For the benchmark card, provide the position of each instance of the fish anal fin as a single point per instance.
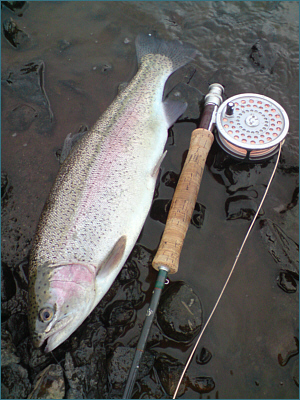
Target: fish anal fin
(114, 257)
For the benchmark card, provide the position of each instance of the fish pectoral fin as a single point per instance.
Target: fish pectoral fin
(173, 109)
(114, 257)
(156, 168)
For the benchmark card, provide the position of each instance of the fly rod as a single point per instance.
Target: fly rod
(179, 217)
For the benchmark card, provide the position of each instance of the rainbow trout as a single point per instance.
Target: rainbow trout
(101, 197)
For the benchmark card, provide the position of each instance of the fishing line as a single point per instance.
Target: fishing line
(230, 274)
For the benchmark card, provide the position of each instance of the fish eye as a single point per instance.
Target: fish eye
(46, 314)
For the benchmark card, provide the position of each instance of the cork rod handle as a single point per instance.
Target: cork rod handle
(183, 202)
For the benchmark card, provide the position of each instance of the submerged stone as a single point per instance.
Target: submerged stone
(240, 207)
(4, 186)
(179, 313)
(119, 366)
(286, 282)
(85, 368)
(14, 382)
(203, 357)
(289, 348)
(15, 36)
(8, 284)
(120, 312)
(23, 86)
(17, 7)
(283, 249)
(8, 349)
(49, 384)
(262, 55)
(169, 371)
(201, 384)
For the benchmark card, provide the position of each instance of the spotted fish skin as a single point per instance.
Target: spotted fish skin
(101, 197)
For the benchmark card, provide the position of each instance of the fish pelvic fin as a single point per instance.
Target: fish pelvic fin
(157, 166)
(173, 110)
(179, 53)
(114, 257)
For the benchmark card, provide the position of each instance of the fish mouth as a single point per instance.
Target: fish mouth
(38, 340)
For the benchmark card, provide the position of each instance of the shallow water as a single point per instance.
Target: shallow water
(88, 50)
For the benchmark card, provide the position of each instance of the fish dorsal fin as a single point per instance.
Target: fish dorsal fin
(70, 142)
(173, 110)
(114, 257)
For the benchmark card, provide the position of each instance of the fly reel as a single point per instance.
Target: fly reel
(251, 126)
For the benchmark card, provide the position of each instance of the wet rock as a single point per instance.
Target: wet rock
(134, 293)
(8, 284)
(203, 357)
(15, 292)
(18, 7)
(38, 359)
(179, 313)
(160, 209)
(240, 177)
(85, 366)
(169, 371)
(14, 382)
(141, 257)
(129, 272)
(76, 377)
(119, 365)
(287, 282)
(198, 215)
(201, 384)
(4, 187)
(20, 321)
(8, 349)
(170, 179)
(262, 55)
(24, 87)
(92, 340)
(15, 36)
(289, 348)
(148, 389)
(49, 384)
(190, 95)
(120, 312)
(241, 207)
(283, 249)
(119, 316)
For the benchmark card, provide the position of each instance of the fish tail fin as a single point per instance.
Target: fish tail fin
(179, 53)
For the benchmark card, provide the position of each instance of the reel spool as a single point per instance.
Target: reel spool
(251, 126)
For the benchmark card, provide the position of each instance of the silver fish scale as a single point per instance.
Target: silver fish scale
(66, 234)
(101, 198)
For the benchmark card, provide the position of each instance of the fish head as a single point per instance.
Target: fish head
(60, 298)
